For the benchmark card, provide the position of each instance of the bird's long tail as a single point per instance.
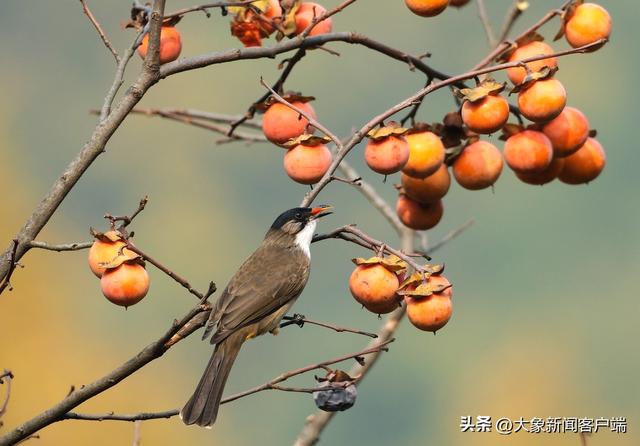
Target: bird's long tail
(202, 407)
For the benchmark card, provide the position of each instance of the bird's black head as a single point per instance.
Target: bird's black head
(295, 220)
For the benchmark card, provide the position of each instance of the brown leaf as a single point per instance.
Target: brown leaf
(486, 88)
(391, 129)
(307, 140)
(392, 263)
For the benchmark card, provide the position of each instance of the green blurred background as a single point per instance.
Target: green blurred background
(546, 281)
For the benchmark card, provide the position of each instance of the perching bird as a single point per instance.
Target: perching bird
(257, 297)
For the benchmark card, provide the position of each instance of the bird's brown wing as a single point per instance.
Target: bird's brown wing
(264, 283)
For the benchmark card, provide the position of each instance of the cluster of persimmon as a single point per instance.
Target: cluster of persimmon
(262, 18)
(123, 278)
(558, 143)
(250, 24)
(307, 158)
(380, 285)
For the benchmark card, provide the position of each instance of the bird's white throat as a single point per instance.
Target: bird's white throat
(303, 238)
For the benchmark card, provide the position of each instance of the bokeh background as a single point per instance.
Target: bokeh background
(546, 281)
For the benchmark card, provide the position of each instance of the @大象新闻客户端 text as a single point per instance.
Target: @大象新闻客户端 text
(537, 425)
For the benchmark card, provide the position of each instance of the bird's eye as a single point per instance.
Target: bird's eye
(298, 216)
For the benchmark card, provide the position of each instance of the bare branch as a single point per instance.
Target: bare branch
(205, 7)
(505, 45)
(300, 320)
(371, 243)
(450, 236)
(100, 31)
(119, 77)
(7, 377)
(518, 8)
(64, 247)
(181, 280)
(486, 23)
(273, 384)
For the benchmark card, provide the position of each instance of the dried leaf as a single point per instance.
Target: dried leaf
(392, 263)
(486, 88)
(544, 73)
(307, 140)
(391, 129)
(424, 290)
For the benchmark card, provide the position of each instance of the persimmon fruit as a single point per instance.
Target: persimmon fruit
(478, 166)
(584, 165)
(543, 100)
(387, 155)
(531, 49)
(418, 216)
(426, 154)
(427, 8)
(589, 23)
(567, 132)
(170, 44)
(528, 151)
(431, 313)
(281, 123)
(306, 13)
(487, 115)
(374, 286)
(104, 252)
(306, 164)
(427, 190)
(458, 3)
(125, 285)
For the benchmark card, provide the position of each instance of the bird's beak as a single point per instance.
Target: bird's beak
(321, 211)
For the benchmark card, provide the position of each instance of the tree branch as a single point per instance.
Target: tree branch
(272, 384)
(300, 320)
(101, 33)
(64, 247)
(486, 23)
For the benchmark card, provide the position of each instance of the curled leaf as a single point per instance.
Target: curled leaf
(307, 140)
(486, 88)
(392, 263)
(391, 129)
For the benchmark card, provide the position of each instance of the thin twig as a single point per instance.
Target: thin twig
(136, 433)
(300, 320)
(101, 33)
(63, 247)
(181, 280)
(119, 76)
(7, 377)
(191, 119)
(272, 384)
(450, 236)
(519, 6)
(486, 23)
(205, 7)
(371, 243)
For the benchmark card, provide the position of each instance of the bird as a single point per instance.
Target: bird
(253, 303)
